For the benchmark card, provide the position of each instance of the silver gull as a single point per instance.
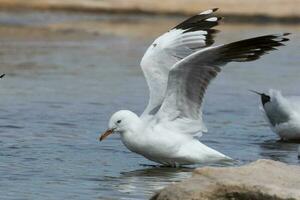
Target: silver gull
(178, 67)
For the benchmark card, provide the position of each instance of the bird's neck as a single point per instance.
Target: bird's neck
(131, 138)
(133, 126)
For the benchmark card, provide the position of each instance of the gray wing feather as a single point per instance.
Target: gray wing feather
(189, 78)
(186, 38)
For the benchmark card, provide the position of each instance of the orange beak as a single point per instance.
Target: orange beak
(105, 134)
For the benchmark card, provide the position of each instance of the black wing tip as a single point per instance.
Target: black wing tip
(200, 20)
(208, 11)
(281, 36)
(279, 39)
(253, 48)
(220, 19)
(1, 76)
(284, 39)
(273, 40)
(276, 35)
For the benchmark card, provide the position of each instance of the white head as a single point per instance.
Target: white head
(120, 122)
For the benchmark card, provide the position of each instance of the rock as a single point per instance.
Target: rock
(260, 180)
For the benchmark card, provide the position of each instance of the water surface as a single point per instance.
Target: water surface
(63, 84)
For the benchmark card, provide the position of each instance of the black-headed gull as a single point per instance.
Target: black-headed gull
(178, 67)
(282, 114)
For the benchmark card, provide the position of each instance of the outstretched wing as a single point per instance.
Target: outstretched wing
(189, 78)
(181, 41)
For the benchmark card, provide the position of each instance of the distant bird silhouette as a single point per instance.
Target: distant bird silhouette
(282, 113)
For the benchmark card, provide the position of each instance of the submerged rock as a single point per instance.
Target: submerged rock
(260, 180)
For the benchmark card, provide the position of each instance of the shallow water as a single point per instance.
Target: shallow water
(60, 91)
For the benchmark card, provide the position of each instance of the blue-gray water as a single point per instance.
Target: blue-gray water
(61, 86)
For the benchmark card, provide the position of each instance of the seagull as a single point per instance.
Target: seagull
(178, 67)
(282, 114)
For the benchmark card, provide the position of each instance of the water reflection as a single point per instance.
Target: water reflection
(142, 182)
(279, 150)
(157, 172)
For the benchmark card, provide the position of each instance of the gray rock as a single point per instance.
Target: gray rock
(260, 180)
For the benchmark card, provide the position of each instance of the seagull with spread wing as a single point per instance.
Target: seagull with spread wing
(178, 67)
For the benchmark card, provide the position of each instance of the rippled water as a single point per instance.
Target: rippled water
(59, 93)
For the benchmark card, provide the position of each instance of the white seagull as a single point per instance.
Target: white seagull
(178, 67)
(282, 114)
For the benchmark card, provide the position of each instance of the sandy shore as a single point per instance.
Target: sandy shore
(267, 8)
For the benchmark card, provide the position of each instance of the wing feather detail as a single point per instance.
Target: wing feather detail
(190, 77)
(184, 39)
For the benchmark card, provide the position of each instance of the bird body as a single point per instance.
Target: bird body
(170, 148)
(282, 114)
(178, 67)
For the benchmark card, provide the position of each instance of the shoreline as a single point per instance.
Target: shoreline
(289, 14)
